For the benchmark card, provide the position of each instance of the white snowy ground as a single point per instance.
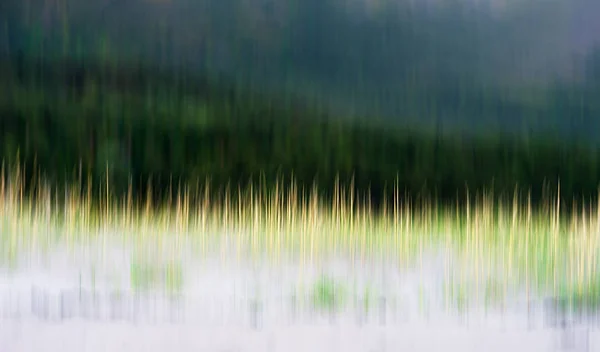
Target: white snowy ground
(84, 336)
(46, 304)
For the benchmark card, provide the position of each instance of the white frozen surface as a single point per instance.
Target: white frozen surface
(235, 305)
(116, 337)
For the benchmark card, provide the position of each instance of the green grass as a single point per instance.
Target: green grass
(328, 295)
(145, 275)
(495, 293)
(367, 298)
(540, 251)
(456, 296)
(174, 277)
(580, 297)
(423, 301)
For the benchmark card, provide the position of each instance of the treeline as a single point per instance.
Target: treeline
(67, 120)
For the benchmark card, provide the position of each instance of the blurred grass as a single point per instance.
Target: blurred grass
(328, 294)
(542, 252)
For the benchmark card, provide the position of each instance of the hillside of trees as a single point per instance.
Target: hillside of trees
(65, 119)
(164, 92)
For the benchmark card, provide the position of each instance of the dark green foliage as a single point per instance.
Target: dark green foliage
(141, 126)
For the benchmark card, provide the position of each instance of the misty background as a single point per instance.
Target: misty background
(403, 60)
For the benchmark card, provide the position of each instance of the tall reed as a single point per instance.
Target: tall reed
(541, 249)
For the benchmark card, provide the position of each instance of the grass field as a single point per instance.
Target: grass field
(502, 247)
